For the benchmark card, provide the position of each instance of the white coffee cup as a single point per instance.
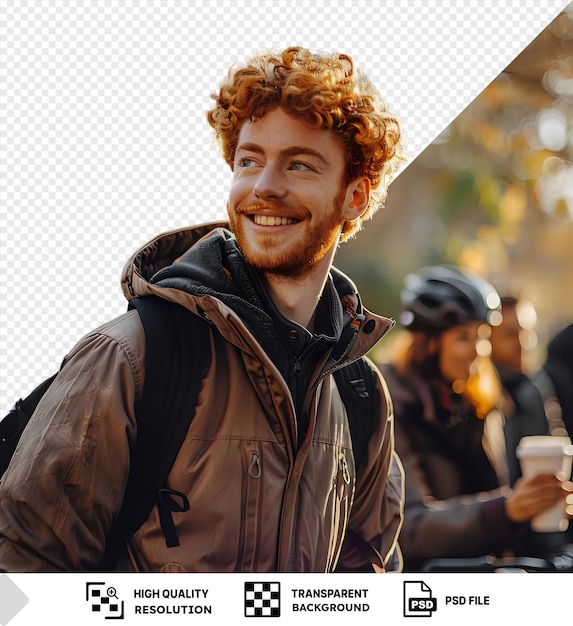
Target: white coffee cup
(547, 454)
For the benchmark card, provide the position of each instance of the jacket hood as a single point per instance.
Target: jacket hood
(205, 261)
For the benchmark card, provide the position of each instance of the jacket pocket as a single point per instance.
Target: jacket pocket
(342, 495)
(252, 486)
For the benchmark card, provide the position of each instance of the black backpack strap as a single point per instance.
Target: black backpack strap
(177, 359)
(356, 384)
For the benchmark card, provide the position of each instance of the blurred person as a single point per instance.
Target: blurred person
(268, 467)
(555, 382)
(456, 505)
(522, 406)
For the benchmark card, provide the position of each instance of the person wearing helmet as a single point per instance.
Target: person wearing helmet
(456, 503)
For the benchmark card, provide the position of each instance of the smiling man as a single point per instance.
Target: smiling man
(269, 467)
(288, 196)
(288, 203)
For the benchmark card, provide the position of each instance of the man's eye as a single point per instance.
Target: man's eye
(298, 166)
(246, 162)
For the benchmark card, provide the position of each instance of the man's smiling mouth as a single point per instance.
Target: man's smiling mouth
(273, 220)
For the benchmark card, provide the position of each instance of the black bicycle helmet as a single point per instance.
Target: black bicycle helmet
(439, 297)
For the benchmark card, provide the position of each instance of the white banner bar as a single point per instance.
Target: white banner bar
(165, 599)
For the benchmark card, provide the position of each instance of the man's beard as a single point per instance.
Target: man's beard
(299, 257)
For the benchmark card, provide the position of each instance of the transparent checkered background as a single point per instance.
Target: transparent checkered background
(104, 141)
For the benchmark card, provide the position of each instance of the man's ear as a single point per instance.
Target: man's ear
(357, 198)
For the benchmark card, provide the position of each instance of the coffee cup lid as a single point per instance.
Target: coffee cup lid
(547, 445)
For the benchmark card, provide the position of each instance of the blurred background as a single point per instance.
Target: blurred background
(492, 193)
(105, 143)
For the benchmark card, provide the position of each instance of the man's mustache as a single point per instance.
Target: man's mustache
(271, 207)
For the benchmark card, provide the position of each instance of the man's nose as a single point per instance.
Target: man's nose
(270, 183)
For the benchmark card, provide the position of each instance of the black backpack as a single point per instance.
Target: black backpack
(165, 409)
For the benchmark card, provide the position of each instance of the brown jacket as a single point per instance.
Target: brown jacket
(66, 481)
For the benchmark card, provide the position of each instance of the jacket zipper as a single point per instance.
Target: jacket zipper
(343, 469)
(251, 530)
(297, 365)
(255, 466)
(297, 368)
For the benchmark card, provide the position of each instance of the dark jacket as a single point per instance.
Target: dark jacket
(523, 411)
(453, 503)
(66, 481)
(555, 382)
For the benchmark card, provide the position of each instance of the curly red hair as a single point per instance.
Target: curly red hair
(327, 91)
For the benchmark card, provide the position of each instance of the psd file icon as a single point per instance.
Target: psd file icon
(418, 600)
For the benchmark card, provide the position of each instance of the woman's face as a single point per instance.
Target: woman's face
(457, 351)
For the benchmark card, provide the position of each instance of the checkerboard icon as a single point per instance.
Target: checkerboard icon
(262, 599)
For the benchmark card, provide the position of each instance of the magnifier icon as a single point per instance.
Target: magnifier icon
(112, 593)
